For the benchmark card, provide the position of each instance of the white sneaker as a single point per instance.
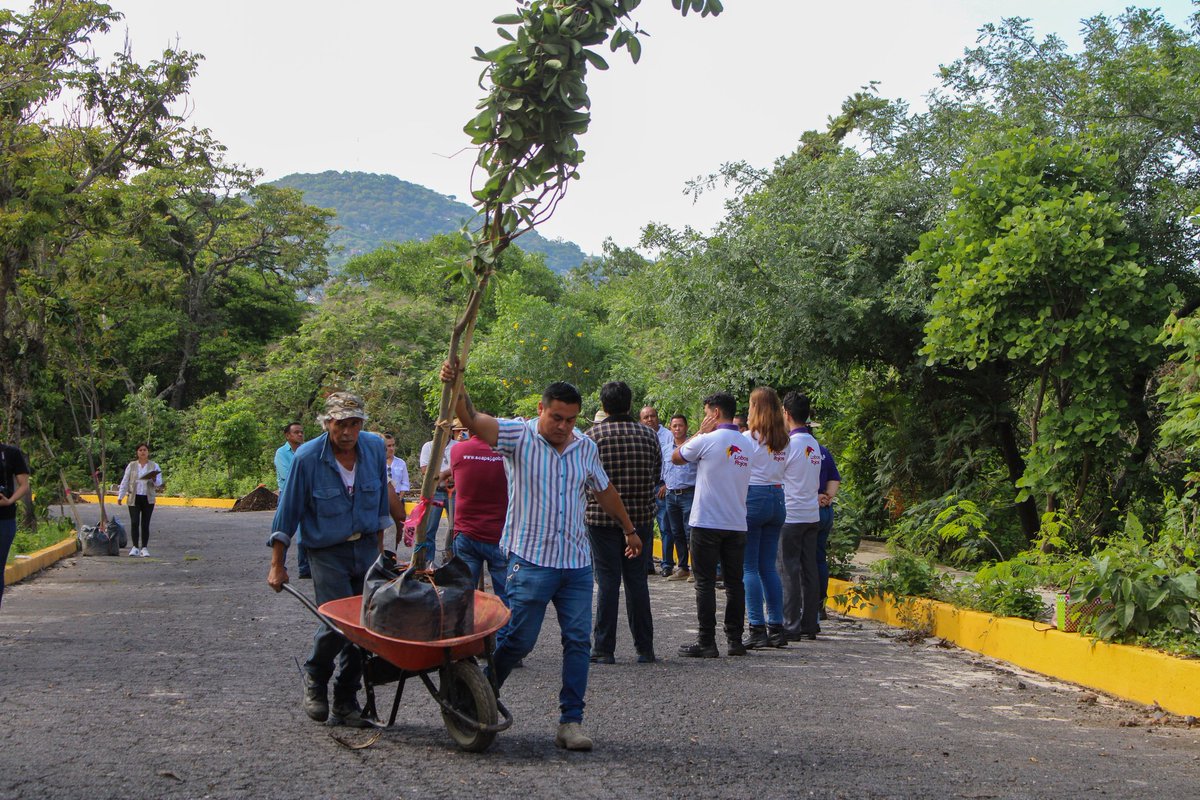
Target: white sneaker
(145, 552)
(133, 551)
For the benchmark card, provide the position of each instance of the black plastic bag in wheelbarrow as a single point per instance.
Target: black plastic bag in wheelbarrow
(100, 540)
(419, 605)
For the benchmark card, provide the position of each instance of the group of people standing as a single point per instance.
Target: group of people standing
(785, 509)
(565, 518)
(752, 502)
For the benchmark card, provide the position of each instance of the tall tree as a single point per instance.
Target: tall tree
(58, 176)
(1037, 275)
(211, 228)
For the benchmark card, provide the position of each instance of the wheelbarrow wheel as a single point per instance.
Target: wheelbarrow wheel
(468, 691)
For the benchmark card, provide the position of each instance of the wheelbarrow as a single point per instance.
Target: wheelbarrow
(469, 699)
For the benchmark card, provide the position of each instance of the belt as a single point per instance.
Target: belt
(684, 490)
(354, 537)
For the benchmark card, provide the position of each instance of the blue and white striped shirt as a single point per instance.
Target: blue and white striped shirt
(546, 497)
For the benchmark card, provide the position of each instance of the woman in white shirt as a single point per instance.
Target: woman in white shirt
(141, 480)
(768, 442)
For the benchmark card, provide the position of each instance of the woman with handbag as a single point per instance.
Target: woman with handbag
(141, 480)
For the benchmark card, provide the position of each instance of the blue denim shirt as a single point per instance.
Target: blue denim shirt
(316, 501)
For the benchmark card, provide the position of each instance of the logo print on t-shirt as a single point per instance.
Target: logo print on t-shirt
(735, 452)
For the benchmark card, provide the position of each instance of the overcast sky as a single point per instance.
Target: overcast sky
(385, 87)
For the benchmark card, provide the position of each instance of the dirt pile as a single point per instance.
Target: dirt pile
(261, 499)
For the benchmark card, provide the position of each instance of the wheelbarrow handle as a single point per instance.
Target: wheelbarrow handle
(311, 606)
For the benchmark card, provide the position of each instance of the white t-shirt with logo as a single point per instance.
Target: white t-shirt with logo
(766, 468)
(801, 479)
(722, 479)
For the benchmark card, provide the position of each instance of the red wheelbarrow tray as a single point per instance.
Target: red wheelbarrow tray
(490, 616)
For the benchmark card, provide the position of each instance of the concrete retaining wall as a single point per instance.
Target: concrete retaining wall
(22, 567)
(1132, 673)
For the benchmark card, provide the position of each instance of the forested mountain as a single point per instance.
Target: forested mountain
(375, 209)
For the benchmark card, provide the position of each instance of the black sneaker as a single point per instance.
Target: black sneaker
(348, 713)
(699, 650)
(736, 648)
(316, 699)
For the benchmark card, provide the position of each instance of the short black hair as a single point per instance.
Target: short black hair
(798, 406)
(679, 416)
(563, 392)
(723, 402)
(616, 397)
(288, 427)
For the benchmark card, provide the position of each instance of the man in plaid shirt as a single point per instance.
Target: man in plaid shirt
(632, 458)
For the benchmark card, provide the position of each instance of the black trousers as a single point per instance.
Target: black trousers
(139, 520)
(710, 547)
(612, 570)
(801, 578)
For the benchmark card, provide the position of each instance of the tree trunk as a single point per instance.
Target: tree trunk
(1026, 510)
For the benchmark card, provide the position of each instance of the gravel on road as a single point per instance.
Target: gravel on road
(176, 676)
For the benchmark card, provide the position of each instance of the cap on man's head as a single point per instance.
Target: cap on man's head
(343, 405)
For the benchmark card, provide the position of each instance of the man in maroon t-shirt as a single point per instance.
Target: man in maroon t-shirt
(480, 506)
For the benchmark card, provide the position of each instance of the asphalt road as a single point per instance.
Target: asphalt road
(175, 676)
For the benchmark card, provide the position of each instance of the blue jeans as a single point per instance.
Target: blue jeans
(8, 532)
(475, 553)
(530, 589)
(765, 513)
(612, 570)
(825, 527)
(338, 572)
(434, 516)
(679, 508)
(665, 532)
(301, 556)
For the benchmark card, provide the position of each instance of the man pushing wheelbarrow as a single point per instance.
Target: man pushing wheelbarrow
(337, 495)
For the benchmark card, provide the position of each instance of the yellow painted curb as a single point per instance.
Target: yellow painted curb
(22, 568)
(1132, 673)
(190, 502)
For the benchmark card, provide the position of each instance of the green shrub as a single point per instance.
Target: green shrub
(45, 534)
(839, 551)
(1146, 586)
(193, 477)
(905, 574)
(964, 524)
(1005, 589)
